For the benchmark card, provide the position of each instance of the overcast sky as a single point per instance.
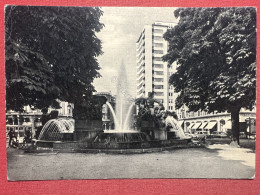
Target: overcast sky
(123, 26)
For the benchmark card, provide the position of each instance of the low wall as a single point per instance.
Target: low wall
(70, 146)
(43, 144)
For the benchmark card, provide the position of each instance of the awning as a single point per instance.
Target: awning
(191, 125)
(203, 125)
(210, 125)
(228, 125)
(196, 126)
(181, 122)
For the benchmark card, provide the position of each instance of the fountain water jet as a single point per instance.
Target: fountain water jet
(55, 129)
(127, 116)
(113, 113)
(122, 114)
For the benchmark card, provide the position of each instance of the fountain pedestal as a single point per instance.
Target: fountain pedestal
(160, 134)
(87, 129)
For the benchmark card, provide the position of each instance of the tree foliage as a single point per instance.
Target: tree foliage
(215, 52)
(51, 52)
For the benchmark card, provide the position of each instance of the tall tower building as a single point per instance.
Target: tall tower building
(152, 73)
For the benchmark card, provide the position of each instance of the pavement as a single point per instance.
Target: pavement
(215, 161)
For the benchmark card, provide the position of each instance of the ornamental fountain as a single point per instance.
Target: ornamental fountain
(154, 128)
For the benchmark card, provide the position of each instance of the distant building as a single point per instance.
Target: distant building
(152, 73)
(32, 117)
(215, 121)
(153, 76)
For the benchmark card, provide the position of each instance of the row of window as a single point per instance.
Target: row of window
(158, 72)
(140, 46)
(157, 58)
(158, 38)
(192, 114)
(158, 93)
(141, 67)
(142, 78)
(157, 44)
(141, 54)
(140, 86)
(140, 63)
(158, 65)
(141, 60)
(158, 79)
(158, 51)
(142, 72)
(157, 30)
(142, 36)
(158, 86)
(141, 91)
(170, 107)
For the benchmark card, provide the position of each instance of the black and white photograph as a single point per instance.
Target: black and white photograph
(130, 92)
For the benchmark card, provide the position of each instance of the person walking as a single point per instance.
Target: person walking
(11, 135)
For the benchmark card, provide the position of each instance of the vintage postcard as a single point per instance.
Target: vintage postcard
(130, 92)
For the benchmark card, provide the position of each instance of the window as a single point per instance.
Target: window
(158, 51)
(158, 30)
(158, 72)
(170, 94)
(158, 44)
(158, 87)
(158, 65)
(158, 38)
(158, 79)
(158, 93)
(157, 59)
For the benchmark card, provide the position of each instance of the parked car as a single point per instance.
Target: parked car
(199, 138)
(193, 135)
(199, 135)
(188, 135)
(216, 134)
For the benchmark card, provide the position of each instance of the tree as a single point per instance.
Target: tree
(215, 52)
(50, 54)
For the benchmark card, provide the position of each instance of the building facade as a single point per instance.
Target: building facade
(32, 117)
(193, 122)
(153, 76)
(152, 73)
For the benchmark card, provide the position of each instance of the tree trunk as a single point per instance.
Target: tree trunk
(235, 124)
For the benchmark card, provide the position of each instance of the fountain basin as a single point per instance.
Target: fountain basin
(120, 140)
(133, 147)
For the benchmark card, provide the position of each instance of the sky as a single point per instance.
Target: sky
(123, 25)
